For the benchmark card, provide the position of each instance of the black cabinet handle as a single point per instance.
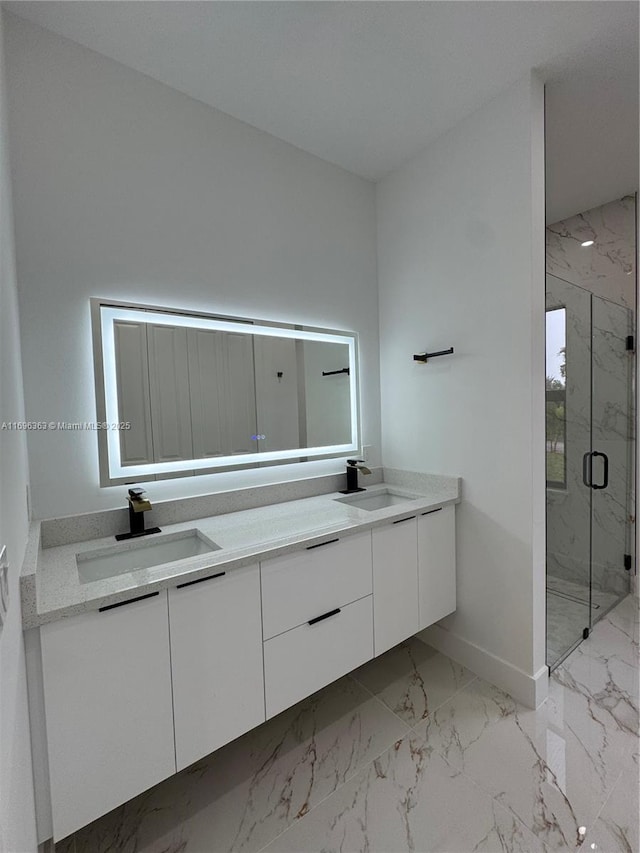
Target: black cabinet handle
(322, 544)
(400, 520)
(128, 601)
(430, 511)
(200, 580)
(586, 469)
(324, 616)
(605, 459)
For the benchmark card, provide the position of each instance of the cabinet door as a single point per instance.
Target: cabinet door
(301, 661)
(216, 660)
(436, 564)
(395, 583)
(297, 587)
(107, 692)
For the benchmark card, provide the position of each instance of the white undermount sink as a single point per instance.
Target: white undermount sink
(376, 500)
(144, 553)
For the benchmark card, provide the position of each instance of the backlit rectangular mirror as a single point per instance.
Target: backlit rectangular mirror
(183, 393)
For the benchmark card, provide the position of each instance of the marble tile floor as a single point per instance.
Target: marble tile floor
(566, 618)
(412, 752)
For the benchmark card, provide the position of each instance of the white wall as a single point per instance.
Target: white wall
(17, 816)
(125, 188)
(461, 263)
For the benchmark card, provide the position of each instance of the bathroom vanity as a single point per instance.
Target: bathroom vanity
(140, 668)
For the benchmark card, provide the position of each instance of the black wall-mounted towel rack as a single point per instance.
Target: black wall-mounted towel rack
(425, 356)
(346, 370)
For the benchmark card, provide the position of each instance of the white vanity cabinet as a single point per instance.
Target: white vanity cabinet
(436, 564)
(216, 660)
(109, 720)
(141, 689)
(395, 582)
(414, 574)
(317, 617)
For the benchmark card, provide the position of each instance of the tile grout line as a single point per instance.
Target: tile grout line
(348, 779)
(432, 711)
(601, 809)
(331, 793)
(494, 799)
(442, 704)
(411, 730)
(380, 702)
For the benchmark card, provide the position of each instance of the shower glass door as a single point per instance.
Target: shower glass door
(589, 462)
(611, 461)
(568, 436)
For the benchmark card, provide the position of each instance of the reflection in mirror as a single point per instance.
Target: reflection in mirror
(197, 393)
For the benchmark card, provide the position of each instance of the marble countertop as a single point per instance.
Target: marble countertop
(51, 587)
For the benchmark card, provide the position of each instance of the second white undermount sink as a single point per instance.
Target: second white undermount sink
(144, 553)
(377, 500)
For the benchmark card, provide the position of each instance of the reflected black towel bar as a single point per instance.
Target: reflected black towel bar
(425, 356)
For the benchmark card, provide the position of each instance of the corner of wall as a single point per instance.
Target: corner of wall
(17, 810)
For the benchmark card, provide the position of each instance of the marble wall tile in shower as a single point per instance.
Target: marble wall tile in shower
(251, 790)
(607, 267)
(612, 428)
(587, 530)
(568, 508)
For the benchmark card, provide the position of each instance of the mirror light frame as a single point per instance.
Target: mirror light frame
(105, 313)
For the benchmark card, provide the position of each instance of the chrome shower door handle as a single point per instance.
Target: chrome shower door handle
(605, 480)
(586, 469)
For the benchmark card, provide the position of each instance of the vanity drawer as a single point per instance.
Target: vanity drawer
(311, 656)
(297, 587)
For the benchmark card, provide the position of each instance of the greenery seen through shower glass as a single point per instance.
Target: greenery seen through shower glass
(556, 398)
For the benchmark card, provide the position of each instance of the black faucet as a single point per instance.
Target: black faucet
(353, 466)
(138, 505)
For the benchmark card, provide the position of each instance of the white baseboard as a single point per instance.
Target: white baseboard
(529, 690)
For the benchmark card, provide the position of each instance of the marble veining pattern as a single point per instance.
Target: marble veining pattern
(588, 531)
(568, 509)
(251, 790)
(427, 758)
(568, 613)
(413, 680)
(606, 268)
(599, 282)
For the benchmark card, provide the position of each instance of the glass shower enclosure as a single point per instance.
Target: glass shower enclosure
(589, 459)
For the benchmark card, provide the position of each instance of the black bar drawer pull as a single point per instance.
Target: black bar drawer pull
(400, 520)
(321, 544)
(324, 616)
(199, 580)
(430, 511)
(128, 601)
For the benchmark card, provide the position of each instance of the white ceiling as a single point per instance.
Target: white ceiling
(367, 85)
